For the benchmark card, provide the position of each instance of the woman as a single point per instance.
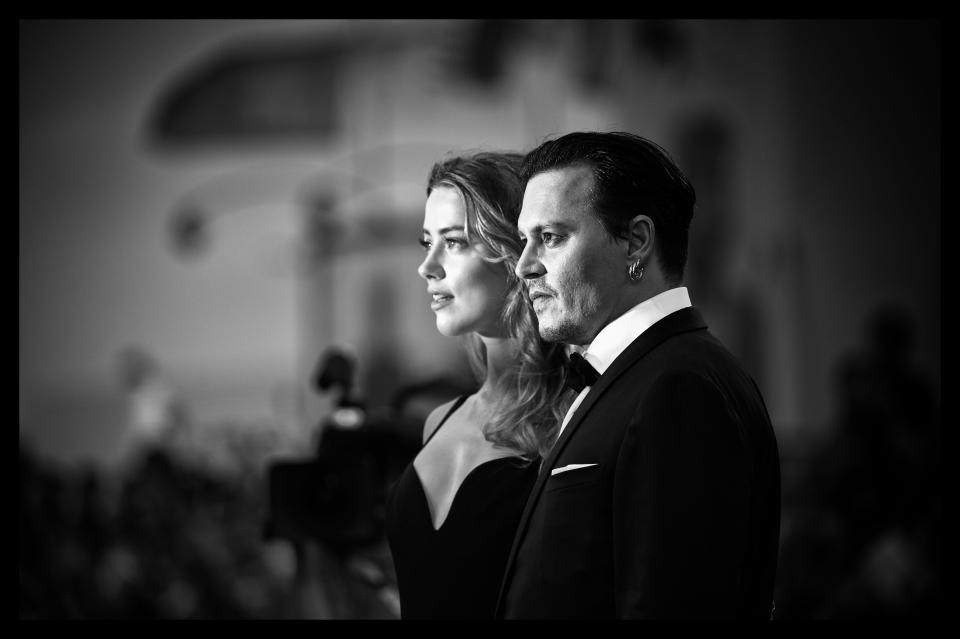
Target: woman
(453, 512)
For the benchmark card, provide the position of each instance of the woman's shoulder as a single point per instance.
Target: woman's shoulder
(435, 418)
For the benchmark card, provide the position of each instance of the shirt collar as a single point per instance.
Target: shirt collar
(618, 334)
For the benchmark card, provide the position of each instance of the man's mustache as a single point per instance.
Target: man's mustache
(539, 289)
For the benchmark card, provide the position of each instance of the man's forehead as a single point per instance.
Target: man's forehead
(574, 181)
(558, 191)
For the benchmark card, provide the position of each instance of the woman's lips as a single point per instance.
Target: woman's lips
(439, 300)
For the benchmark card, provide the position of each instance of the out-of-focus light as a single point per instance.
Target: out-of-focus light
(189, 231)
(348, 418)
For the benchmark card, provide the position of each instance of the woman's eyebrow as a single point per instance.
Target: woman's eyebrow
(446, 229)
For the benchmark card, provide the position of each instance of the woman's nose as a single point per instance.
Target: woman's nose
(430, 268)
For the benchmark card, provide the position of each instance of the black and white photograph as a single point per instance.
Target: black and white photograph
(480, 319)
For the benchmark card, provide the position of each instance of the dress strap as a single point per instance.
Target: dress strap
(450, 412)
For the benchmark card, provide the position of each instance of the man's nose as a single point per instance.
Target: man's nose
(528, 266)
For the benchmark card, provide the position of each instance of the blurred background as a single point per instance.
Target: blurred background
(226, 354)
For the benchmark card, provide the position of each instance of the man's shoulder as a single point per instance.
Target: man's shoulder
(684, 356)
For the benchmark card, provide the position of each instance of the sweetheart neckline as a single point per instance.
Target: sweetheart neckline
(426, 500)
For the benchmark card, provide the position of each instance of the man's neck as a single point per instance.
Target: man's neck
(632, 296)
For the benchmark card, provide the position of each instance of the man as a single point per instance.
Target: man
(661, 496)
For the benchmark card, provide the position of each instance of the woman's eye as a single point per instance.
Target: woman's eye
(425, 244)
(454, 243)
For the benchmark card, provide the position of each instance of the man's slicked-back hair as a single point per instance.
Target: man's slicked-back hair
(632, 176)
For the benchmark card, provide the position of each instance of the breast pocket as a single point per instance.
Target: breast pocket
(562, 478)
(573, 520)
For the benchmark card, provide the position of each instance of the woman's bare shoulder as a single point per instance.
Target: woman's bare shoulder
(435, 417)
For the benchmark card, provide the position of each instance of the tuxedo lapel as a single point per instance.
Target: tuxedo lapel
(682, 321)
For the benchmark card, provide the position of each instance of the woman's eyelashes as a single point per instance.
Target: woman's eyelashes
(453, 243)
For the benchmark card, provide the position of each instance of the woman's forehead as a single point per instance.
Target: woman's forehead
(444, 209)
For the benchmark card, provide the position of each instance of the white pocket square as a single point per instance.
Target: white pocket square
(557, 471)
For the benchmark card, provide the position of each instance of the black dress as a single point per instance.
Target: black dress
(454, 572)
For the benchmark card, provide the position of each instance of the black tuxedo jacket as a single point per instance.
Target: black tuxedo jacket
(679, 513)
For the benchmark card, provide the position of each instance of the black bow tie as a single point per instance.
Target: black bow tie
(580, 373)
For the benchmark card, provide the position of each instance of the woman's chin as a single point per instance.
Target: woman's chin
(448, 329)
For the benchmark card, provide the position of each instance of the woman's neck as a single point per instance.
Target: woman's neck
(501, 358)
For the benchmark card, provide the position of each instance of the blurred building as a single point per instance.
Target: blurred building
(765, 117)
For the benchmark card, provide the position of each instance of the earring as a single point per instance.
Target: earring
(635, 271)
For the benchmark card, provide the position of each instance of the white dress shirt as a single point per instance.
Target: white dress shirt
(614, 338)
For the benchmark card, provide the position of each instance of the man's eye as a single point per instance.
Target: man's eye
(549, 239)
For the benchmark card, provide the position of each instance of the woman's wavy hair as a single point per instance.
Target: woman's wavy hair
(535, 398)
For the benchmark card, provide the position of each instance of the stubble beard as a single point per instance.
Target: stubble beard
(570, 323)
(566, 318)
(562, 330)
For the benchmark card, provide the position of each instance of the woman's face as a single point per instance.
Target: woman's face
(467, 293)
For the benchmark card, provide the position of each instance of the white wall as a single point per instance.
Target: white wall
(95, 268)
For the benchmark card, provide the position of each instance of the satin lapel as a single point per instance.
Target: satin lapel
(682, 321)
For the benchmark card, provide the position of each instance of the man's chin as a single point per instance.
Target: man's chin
(563, 332)
(552, 333)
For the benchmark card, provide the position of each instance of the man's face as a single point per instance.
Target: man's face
(575, 271)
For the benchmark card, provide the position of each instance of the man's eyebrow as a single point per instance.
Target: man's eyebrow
(535, 230)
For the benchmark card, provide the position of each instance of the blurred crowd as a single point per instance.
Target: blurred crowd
(862, 507)
(163, 539)
(166, 537)
(221, 521)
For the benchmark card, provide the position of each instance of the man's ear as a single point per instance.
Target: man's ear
(641, 237)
